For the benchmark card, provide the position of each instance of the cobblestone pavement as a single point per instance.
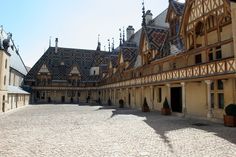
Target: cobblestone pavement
(71, 130)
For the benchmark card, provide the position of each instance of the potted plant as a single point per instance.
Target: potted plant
(121, 103)
(230, 117)
(166, 108)
(145, 107)
(109, 102)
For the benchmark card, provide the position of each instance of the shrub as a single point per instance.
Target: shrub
(230, 110)
(145, 107)
(121, 103)
(109, 102)
(166, 104)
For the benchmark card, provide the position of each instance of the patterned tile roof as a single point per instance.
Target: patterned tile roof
(61, 63)
(129, 53)
(156, 37)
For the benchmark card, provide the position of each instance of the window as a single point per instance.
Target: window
(174, 66)
(5, 80)
(221, 100)
(217, 94)
(198, 59)
(212, 100)
(211, 55)
(6, 64)
(218, 52)
(211, 22)
(220, 85)
(199, 30)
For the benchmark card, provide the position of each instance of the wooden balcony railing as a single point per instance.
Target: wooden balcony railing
(224, 66)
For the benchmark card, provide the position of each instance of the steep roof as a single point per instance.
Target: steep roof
(160, 20)
(16, 61)
(156, 37)
(178, 7)
(60, 64)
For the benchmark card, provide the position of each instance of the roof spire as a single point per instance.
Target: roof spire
(109, 45)
(99, 44)
(113, 45)
(120, 37)
(104, 48)
(144, 15)
(50, 42)
(123, 35)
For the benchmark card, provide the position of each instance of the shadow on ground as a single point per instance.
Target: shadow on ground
(165, 124)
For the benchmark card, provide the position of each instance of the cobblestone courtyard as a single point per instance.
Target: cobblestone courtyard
(71, 130)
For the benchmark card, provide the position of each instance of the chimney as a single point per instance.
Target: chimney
(56, 45)
(148, 16)
(129, 32)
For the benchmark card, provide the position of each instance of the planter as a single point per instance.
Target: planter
(230, 121)
(165, 111)
(145, 109)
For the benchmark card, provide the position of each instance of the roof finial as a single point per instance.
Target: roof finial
(99, 44)
(123, 34)
(120, 37)
(144, 16)
(109, 45)
(113, 45)
(50, 42)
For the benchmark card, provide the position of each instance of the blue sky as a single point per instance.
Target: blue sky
(76, 23)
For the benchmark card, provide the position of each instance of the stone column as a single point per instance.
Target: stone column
(134, 96)
(152, 97)
(183, 84)
(127, 96)
(210, 112)
(142, 96)
(168, 93)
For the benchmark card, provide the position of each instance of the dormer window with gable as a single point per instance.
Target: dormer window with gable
(44, 76)
(74, 77)
(94, 71)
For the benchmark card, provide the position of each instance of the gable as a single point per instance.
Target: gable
(44, 69)
(75, 71)
(199, 10)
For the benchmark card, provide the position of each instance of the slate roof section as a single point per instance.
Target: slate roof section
(15, 90)
(61, 63)
(178, 7)
(16, 61)
(160, 20)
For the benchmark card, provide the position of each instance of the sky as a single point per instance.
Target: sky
(76, 23)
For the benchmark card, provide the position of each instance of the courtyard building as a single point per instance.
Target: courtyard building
(186, 55)
(12, 73)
